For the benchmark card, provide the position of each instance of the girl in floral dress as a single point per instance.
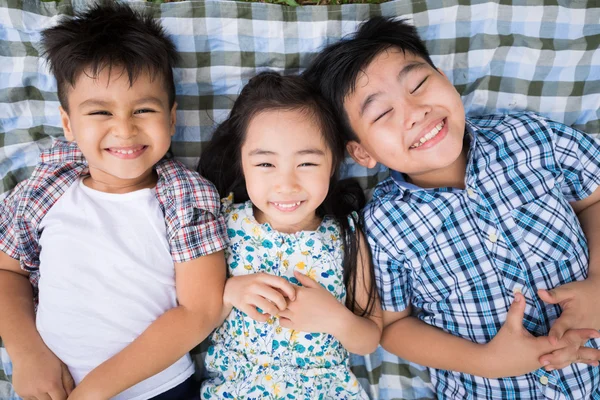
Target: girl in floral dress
(300, 293)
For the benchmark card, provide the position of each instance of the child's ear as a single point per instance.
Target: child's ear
(173, 118)
(66, 124)
(360, 155)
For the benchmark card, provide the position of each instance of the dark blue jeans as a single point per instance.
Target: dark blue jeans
(186, 390)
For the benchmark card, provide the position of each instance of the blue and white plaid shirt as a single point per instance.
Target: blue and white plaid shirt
(459, 255)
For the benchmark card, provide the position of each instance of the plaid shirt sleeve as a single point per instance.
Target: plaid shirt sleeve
(578, 155)
(195, 225)
(392, 278)
(8, 206)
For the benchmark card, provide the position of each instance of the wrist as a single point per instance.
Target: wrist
(340, 322)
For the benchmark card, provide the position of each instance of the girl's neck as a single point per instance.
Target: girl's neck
(305, 225)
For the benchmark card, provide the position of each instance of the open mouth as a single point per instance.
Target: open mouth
(127, 152)
(430, 135)
(287, 206)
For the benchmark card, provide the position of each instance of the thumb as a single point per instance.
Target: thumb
(553, 296)
(67, 380)
(305, 280)
(516, 312)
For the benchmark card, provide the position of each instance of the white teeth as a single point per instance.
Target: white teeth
(429, 135)
(124, 151)
(292, 205)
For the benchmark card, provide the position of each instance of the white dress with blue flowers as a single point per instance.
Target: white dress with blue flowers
(255, 360)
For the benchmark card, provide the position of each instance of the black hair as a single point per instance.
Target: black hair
(336, 68)
(220, 161)
(107, 35)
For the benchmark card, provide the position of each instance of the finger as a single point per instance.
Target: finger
(266, 306)
(587, 354)
(43, 396)
(285, 323)
(272, 295)
(58, 394)
(560, 326)
(67, 380)
(305, 280)
(286, 288)
(254, 314)
(553, 296)
(579, 336)
(516, 313)
(559, 359)
(287, 314)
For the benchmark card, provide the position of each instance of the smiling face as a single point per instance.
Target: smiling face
(122, 130)
(287, 168)
(408, 117)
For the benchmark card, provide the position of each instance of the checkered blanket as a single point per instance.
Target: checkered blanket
(502, 56)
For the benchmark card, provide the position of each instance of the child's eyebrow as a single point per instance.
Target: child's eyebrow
(102, 103)
(262, 152)
(407, 69)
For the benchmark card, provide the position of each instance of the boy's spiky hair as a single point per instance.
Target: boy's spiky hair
(109, 34)
(336, 68)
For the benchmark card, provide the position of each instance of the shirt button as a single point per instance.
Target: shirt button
(517, 289)
(471, 192)
(544, 380)
(493, 237)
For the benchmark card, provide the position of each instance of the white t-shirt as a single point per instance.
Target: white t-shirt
(106, 274)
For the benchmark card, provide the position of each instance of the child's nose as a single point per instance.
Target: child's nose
(287, 182)
(415, 113)
(124, 129)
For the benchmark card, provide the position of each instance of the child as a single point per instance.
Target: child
(478, 214)
(126, 243)
(294, 254)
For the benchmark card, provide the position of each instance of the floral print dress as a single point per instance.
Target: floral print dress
(255, 360)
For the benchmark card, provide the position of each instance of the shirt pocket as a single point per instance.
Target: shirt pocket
(547, 229)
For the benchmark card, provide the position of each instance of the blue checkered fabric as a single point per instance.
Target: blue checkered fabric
(459, 255)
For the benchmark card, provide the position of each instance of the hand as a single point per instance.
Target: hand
(579, 303)
(514, 351)
(41, 375)
(313, 310)
(267, 292)
(573, 351)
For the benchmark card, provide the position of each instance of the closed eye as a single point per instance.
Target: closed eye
(382, 115)
(144, 111)
(419, 85)
(99, 113)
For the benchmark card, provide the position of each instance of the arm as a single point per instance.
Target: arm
(38, 373)
(316, 310)
(512, 352)
(199, 286)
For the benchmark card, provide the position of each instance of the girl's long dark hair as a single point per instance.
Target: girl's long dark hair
(220, 163)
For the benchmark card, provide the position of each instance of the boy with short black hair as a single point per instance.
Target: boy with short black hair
(123, 243)
(483, 226)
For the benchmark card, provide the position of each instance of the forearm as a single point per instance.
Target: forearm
(165, 341)
(414, 340)
(358, 335)
(590, 224)
(17, 318)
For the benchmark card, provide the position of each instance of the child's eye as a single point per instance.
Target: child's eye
(264, 165)
(382, 115)
(419, 85)
(99, 113)
(308, 164)
(144, 111)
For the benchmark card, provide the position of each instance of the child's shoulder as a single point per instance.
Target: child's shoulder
(501, 120)
(181, 184)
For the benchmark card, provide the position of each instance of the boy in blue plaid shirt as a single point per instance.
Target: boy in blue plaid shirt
(124, 244)
(480, 235)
